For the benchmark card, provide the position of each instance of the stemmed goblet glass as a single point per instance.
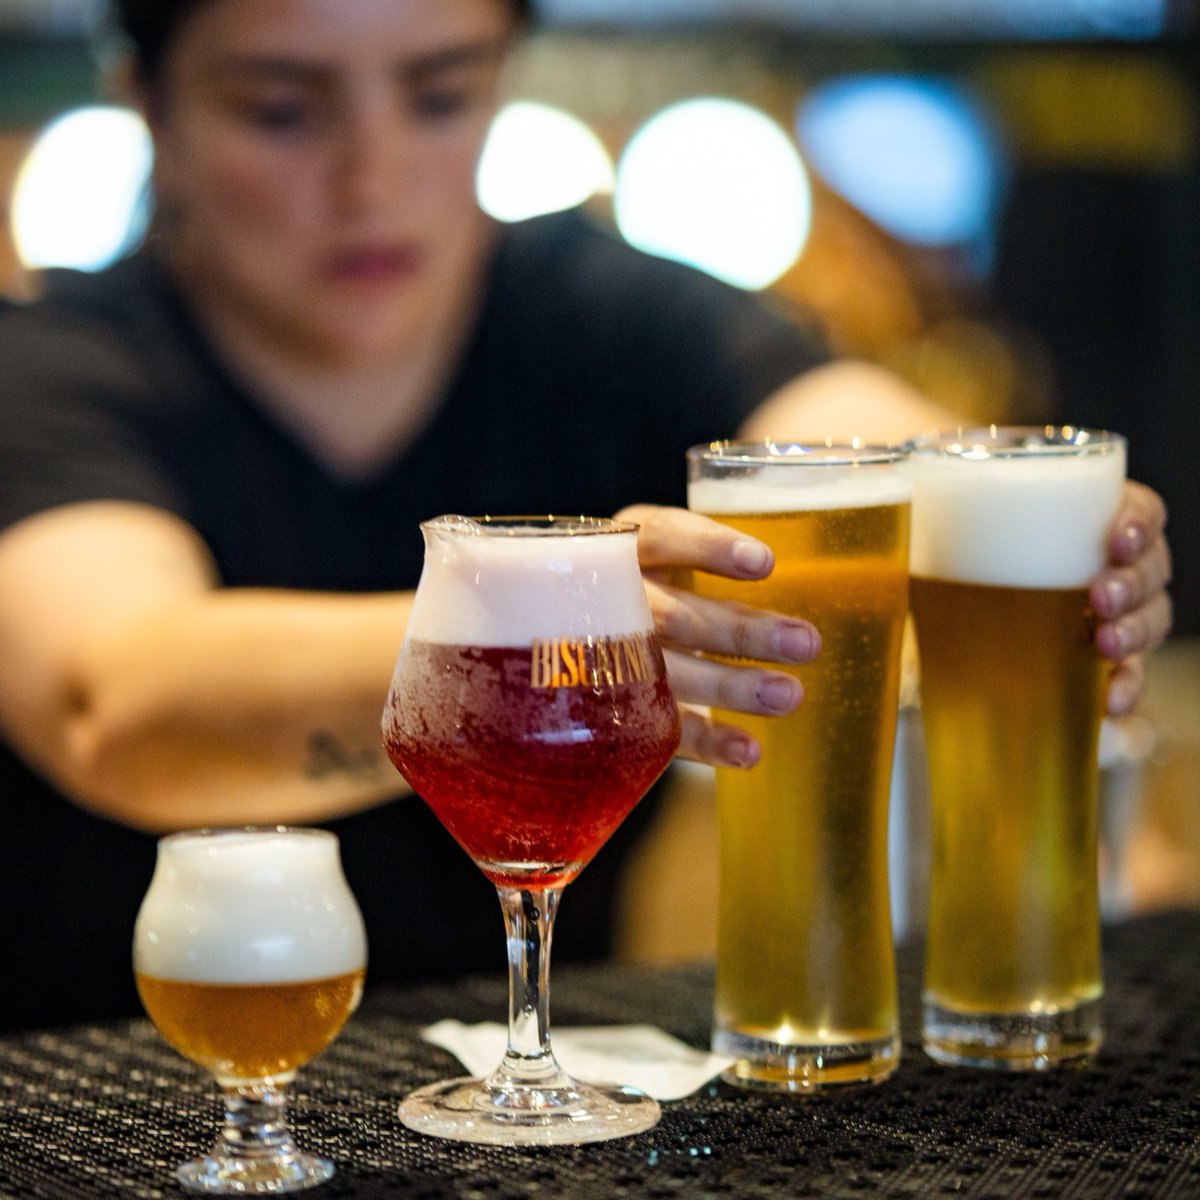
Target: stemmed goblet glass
(530, 710)
(249, 953)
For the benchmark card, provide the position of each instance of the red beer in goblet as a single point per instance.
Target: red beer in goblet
(530, 710)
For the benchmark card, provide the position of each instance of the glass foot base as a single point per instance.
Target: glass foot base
(252, 1175)
(1012, 1041)
(468, 1110)
(785, 1067)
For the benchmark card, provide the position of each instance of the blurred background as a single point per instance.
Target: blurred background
(998, 199)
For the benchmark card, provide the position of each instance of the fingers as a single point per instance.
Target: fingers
(708, 741)
(1130, 594)
(1118, 590)
(1143, 629)
(756, 690)
(670, 538)
(711, 683)
(1133, 603)
(1139, 523)
(690, 622)
(1125, 685)
(689, 626)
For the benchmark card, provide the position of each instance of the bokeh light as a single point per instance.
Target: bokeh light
(717, 184)
(914, 155)
(539, 159)
(80, 196)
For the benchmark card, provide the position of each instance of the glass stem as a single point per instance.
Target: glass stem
(529, 922)
(255, 1123)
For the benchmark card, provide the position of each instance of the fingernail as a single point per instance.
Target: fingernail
(1127, 635)
(1108, 642)
(779, 694)
(1121, 697)
(1116, 597)
(1133, 539)
(751, 557)
(1117, 639)
(793, 641)
(740, 752)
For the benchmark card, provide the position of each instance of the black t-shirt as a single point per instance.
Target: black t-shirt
(590, 371)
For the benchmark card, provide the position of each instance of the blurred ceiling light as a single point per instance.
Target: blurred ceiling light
(717, 184)
(79, 197)
(891, 18)
(539, 159)
(913, 155)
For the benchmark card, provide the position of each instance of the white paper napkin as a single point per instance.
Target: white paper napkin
(641, 1055)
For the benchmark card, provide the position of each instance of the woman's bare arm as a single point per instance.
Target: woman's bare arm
(152, 695)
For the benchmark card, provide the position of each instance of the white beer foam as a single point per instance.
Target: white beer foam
(249, 908)
(1038, 521)
(785, 489)
(505, 591)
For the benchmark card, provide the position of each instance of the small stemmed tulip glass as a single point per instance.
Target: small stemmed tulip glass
(249, 953)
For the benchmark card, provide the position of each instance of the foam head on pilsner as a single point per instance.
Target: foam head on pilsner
(850, 489)
(767, 479)
(262, 906)
(1034, 516)
(507, 585)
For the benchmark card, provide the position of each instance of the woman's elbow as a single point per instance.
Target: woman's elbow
(114, 765)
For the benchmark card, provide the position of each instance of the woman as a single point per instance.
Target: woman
(215, 456)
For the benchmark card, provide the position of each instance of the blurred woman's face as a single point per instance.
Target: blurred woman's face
(317, 162)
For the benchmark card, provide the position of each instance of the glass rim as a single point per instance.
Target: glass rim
(973, 443)
(797, 453)
(528, 525)
(214, 833)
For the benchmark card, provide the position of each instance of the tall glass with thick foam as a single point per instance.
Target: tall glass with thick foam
(805, 987)
(248, 954)
(530, 710)
(1009, 527)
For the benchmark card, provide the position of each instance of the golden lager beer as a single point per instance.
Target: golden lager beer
(248, 954)
(1008, 529)
(239, 1031)
(805, 989)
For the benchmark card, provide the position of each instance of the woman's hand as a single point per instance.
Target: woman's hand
(673, 540)
(1130, 594)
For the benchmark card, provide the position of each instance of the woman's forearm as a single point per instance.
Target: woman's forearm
(235, 706)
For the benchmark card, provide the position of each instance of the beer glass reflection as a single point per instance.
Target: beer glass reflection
(530, 710)
(805, 987)
(1009, 528)
(249, 953)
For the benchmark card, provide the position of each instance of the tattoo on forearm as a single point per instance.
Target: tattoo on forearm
(327, 756)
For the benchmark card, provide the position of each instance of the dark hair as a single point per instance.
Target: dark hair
(151, 27)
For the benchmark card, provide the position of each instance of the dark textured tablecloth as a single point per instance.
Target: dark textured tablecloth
(109, 1110)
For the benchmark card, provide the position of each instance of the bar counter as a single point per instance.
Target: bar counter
(108, 1110)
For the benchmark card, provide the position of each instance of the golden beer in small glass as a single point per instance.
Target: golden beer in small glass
(1009, 528)
(805, 988)
(249, 953)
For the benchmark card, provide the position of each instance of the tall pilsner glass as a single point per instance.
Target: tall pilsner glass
(806, 988)
(249, 953)
(1009, 527)
(530, 710)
